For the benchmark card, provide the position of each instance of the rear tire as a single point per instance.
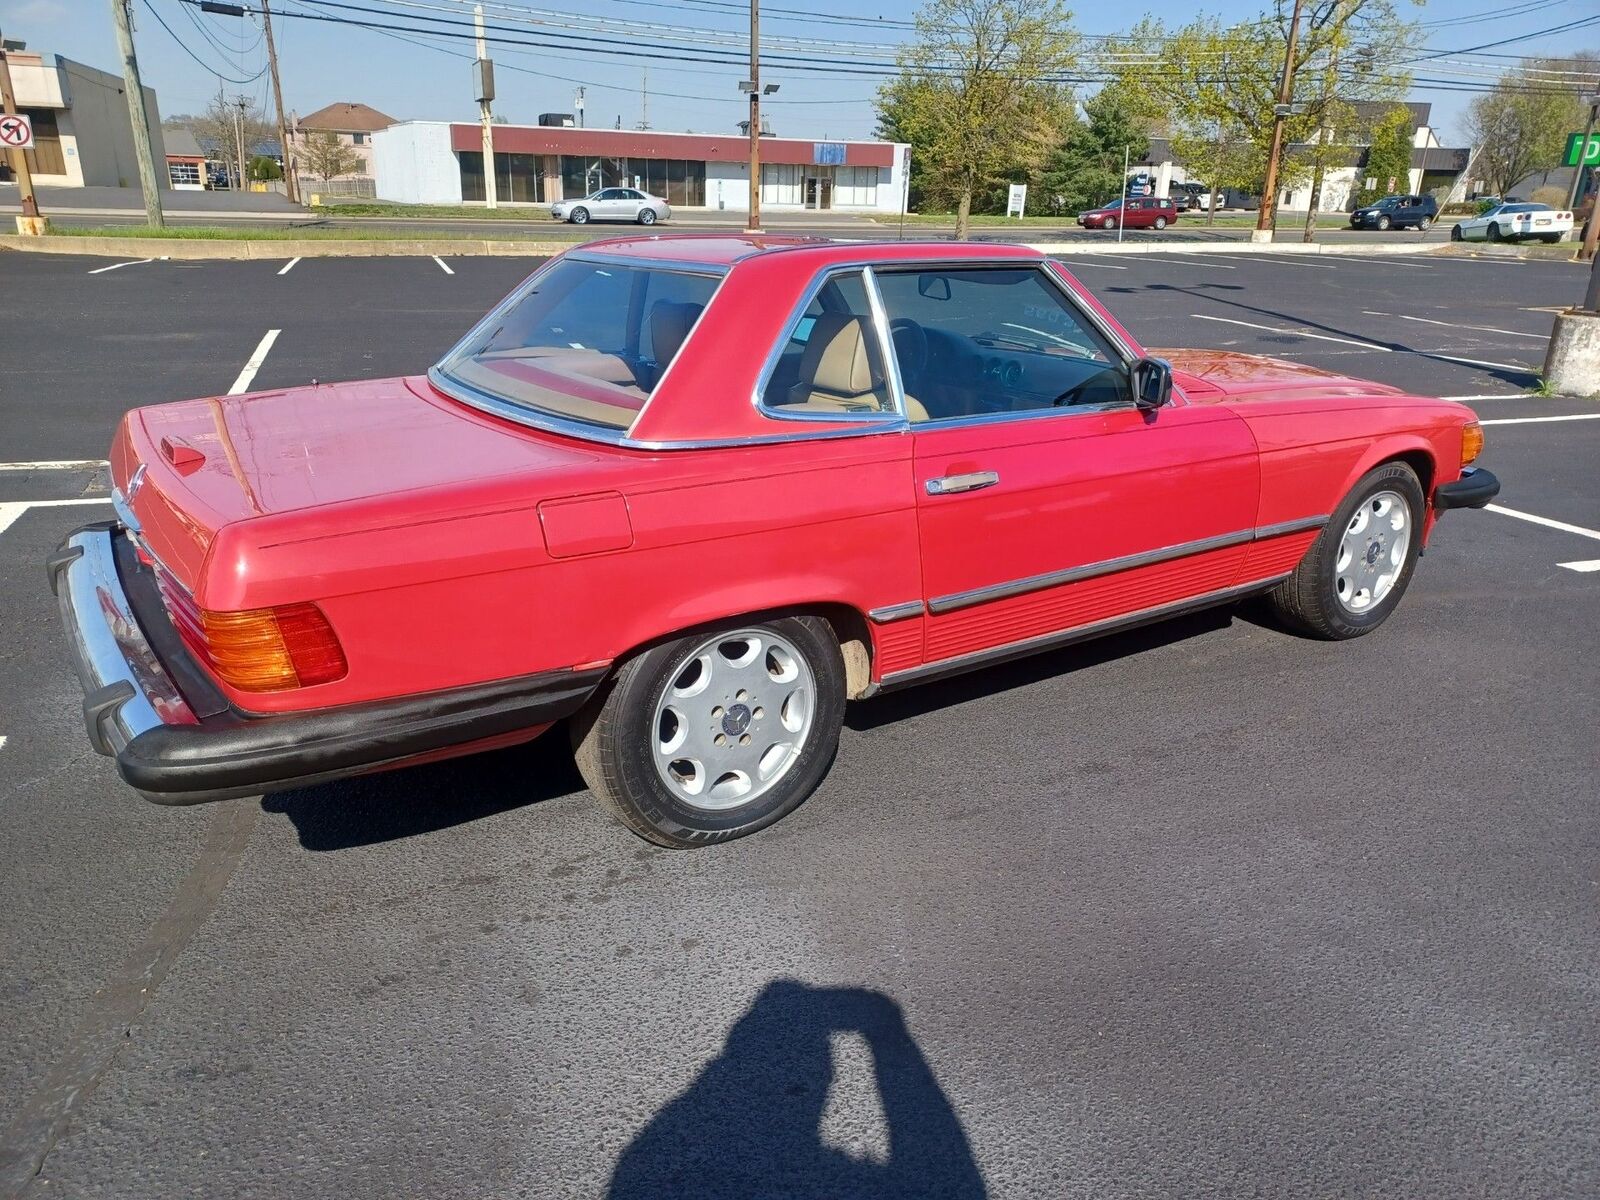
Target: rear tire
(647, 746)
(1161, 222)
(580, 216)
(1358, 568)
(1550, 239)
(647, 216)
(1424, 225)
(1494, 233)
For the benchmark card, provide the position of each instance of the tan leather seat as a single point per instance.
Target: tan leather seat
(837, 371)
(670, 323)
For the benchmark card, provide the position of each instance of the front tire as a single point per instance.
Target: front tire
(579, 216)
(1361, 563)
(1456, 234)
(1110, 223)
(717, 735)
(1384, 223)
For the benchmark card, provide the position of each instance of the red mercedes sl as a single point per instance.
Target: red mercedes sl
(689, 495)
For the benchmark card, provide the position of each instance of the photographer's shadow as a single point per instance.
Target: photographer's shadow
(750, 1123)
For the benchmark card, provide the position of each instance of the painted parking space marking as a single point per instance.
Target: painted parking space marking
(1499, 396)
(1521, 368)
(288, 266)
(1547, 522)
(1295, 262)
(443, 266)
(1193, 260)
(1102, 266)
(10, 510)
(254, 365)
(1593, 416)
(1587, 566)
(59, 464)
(1542, 337)
(1321, 337)
(136, 262)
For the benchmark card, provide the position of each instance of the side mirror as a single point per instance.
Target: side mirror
(934, 287)
(1152, 383)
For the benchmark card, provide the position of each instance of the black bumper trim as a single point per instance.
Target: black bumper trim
(1474, 489)
(233, 755)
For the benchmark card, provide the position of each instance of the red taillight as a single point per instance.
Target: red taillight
(263, 649)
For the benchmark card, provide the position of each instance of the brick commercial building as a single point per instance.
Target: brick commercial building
(435, 162)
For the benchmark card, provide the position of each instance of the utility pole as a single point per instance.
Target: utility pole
(291, 185)
(31, 222)
(644, 100)
(577, 103)
(484, 77)
(754, 225)
(1265, 219)
(136, 114)
(240, 105)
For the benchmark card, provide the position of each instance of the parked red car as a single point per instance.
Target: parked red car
(694, 494)
(1149, 212)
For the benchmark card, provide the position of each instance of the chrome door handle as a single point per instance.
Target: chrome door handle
(970, 482)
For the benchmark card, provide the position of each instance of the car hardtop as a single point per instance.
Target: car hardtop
(723, 250)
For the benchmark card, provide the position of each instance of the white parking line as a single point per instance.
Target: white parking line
(288, 266)
(10, 510)
(1594, 416)
(254, 365)
(1478, 362)
(1545, 521)
(59, 464)
(1543, 337)
(1195, 261)
(1586, 566)
(442, 266)
(1321, 337)
(1500, 396)
(1295, 262)
(1103, 266)
(137, 262)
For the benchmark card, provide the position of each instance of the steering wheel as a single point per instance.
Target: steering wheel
(910, 345)
(1072, 394)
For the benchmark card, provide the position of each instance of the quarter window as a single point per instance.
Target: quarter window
(977, 341)
(831, 363)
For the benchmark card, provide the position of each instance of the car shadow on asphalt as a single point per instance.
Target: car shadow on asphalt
(425, 799)
(1022, 672)
(752, 1122)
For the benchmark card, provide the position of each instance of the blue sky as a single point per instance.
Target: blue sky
(324, 62)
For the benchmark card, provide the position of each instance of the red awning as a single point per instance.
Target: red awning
(629, 143)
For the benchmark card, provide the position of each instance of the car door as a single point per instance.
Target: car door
(607, 204)
(1035, 517)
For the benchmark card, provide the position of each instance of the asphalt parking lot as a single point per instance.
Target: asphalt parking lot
(1203, 910)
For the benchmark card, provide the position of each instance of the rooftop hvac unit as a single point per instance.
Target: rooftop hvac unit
(558, 119)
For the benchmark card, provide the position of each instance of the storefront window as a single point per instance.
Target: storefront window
(519, 178)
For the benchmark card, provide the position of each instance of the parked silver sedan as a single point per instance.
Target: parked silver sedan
(613, 204)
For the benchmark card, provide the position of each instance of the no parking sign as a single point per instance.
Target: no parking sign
(16, 132)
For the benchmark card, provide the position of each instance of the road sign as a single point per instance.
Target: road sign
(1591, 151)
(16, 132)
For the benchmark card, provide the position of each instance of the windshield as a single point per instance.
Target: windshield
(583, 340)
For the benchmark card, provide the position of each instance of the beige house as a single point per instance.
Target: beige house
(81, 133)
(353, 124)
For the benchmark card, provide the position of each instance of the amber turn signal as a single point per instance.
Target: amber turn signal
(1471, 442)
(271, 649)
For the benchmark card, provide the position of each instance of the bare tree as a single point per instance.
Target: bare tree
(326, 157)
(1522, 125)
(231, 130)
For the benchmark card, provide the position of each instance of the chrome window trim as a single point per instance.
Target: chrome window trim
(1049, 641)
(820, 279)
(890, 613)
(955, 601)
(891, 363)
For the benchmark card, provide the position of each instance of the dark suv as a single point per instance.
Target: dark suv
(1396, 212)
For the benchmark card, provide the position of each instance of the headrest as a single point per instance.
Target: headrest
(670, 323)
(836, 359)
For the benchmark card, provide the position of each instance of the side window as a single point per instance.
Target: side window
(976, 341)
(831, 361)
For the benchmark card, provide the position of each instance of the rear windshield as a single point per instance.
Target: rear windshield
(584, 340)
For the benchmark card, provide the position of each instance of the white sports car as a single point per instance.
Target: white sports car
(1513, 222)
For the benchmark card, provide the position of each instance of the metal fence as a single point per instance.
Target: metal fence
(345, 189)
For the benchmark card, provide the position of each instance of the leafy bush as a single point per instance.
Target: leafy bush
(1555, 197)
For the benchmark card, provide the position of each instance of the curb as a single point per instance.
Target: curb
(1278, 248)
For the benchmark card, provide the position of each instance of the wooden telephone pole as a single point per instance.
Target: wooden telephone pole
(30, 222)
(1280, 112)
(137, 117)
(291, 185)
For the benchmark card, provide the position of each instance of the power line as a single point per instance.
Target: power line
(184, 47)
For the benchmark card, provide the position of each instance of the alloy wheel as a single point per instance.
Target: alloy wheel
(1372, 552)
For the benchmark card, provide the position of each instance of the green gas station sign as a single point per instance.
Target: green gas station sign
(1591, 152)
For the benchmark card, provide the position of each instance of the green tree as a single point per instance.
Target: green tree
(1522, 125)
(1219, 83)
(1085, 168)
(1217, 154)
(264, 168)
(979, 95)
(1388, 155)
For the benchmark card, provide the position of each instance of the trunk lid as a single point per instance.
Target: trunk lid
(184, 471)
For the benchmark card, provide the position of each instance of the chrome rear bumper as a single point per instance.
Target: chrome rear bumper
(126, 690)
